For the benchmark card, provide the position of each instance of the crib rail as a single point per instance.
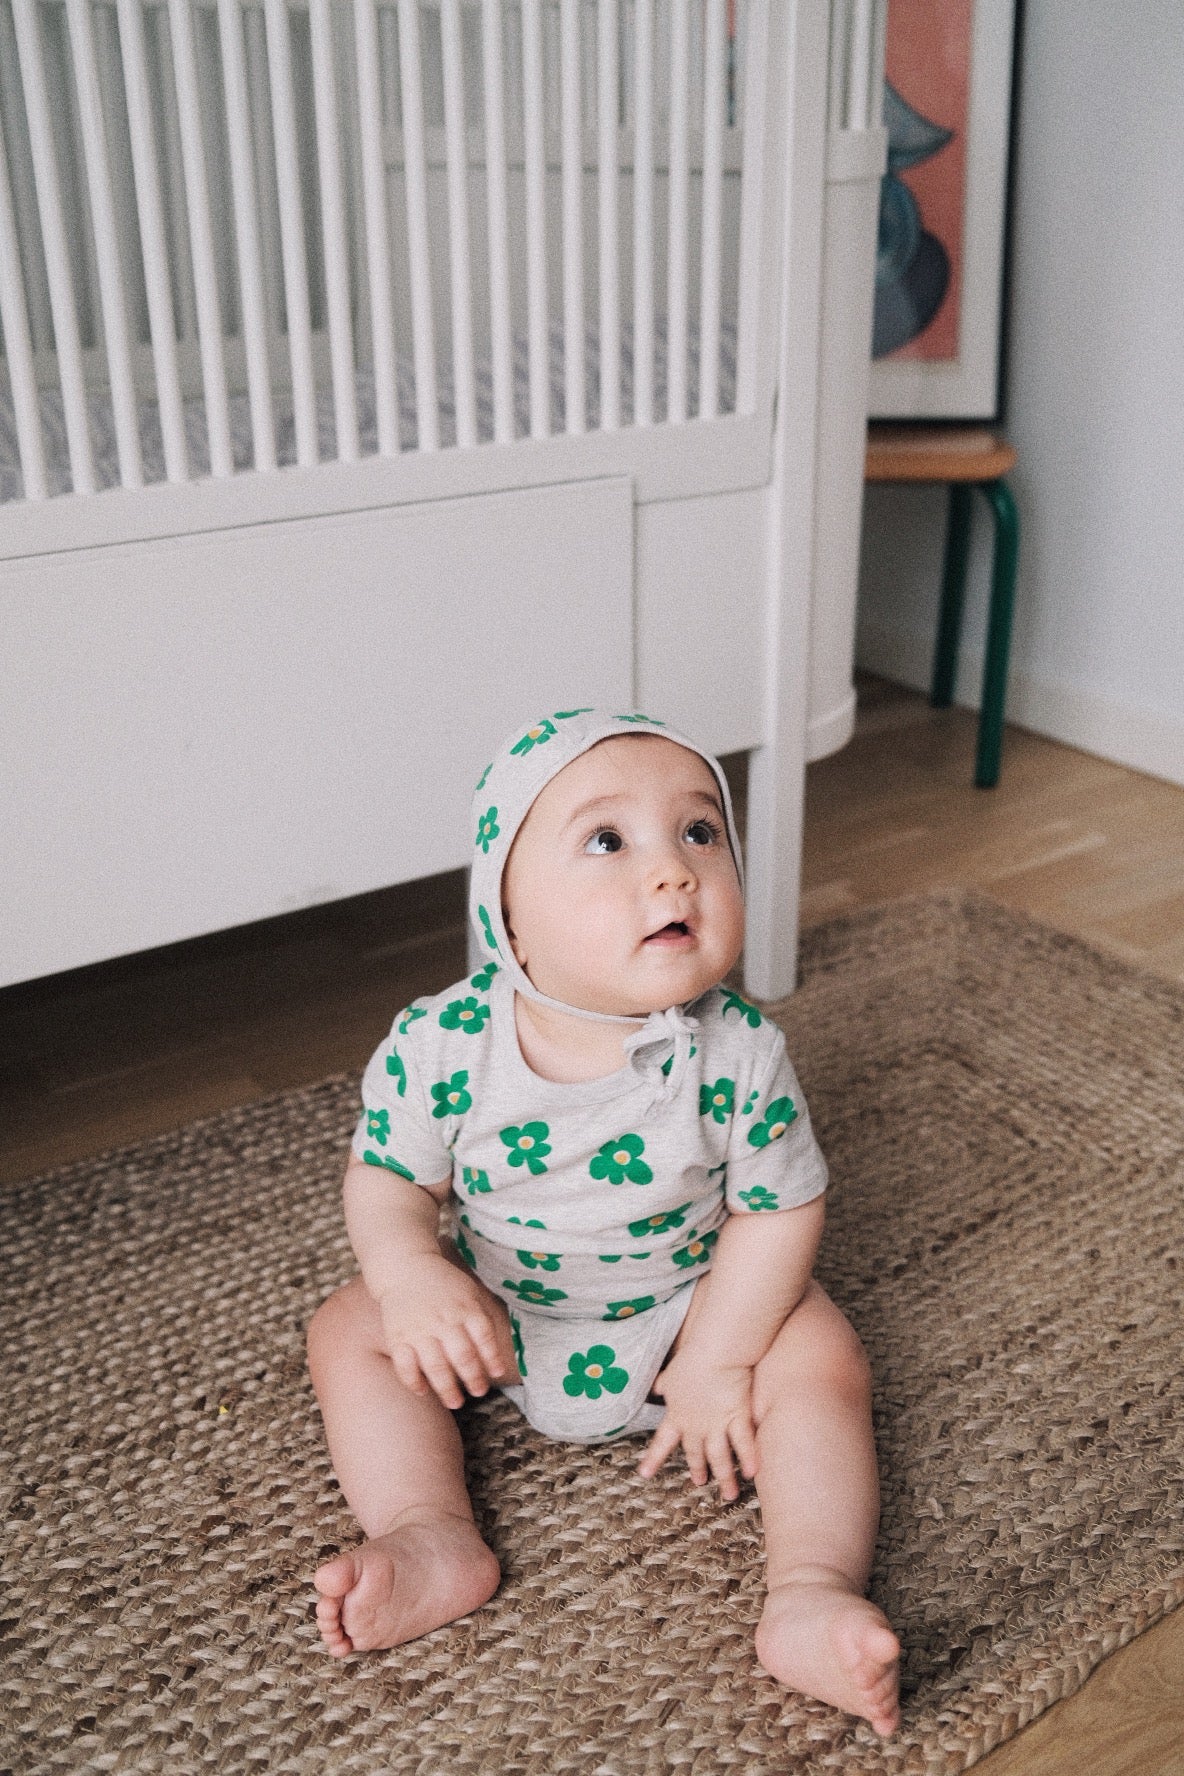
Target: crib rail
(241, 234)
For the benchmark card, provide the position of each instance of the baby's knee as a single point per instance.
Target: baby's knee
(817, 1350)
(338, 1322)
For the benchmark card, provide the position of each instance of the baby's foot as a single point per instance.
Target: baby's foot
(818, 1635)
(414, 1578)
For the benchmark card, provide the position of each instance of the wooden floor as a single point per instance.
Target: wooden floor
(105, 1055)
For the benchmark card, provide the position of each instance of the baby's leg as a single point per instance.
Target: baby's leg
(819, 1494)
(398, 1458)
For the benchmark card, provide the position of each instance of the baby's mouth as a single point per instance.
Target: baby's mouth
(675, 932)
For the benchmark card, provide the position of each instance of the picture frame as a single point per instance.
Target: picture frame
(940, 259)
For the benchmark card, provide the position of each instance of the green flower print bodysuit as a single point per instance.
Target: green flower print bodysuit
(591, 1209)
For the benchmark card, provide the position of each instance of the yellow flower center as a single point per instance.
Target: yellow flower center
(695, 1247)
(622, 1157)
(526, 1141)
(538, 1256)
(719, 1098)
(594, 1370)
(535, 732)
(466, 1014)
(624, 1312)
(778, 1128)
(656, 1220)
(454, 1097)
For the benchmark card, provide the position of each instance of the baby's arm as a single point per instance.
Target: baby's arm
(442, 1329)
(760, 1270)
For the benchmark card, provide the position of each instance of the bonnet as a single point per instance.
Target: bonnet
(518, 772)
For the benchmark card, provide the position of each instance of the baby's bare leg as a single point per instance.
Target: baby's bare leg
(819, 1494)
(398, 1458)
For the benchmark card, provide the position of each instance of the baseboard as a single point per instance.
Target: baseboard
(1137, 738)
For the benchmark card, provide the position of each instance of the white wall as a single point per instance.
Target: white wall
(1095, 406)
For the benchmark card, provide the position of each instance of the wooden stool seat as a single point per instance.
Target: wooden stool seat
(963, 458)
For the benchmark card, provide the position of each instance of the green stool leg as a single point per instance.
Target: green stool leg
(953, 586)
(1003, 573)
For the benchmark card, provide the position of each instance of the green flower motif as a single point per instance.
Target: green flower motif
(483, 979)
(615, 1257)
(517, 1221)
(751, 1104)
(562, 715)
(652, 720)
(451, 1097)
(659, 1223)
(475, 1182)
(409, 1016)
(536, 1293)
(538, 1260)
(621, 1159)
(468, 1015)
(487, 829)
(487, 928)
(748, 1013)
(590, 1372)
(480, 785)
(528, 1145)
(625, 1310)
(536, 736)
(392, 1165)
(718, 1100)
(378, 1126)
(777, 1119)
(397, 1071)
(519, 1347)
(465, 1249)
(759, 1198)
(696, 1251)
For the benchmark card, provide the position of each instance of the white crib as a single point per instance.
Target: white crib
(378, 372)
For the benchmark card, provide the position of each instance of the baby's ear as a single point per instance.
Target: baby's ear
(519, 952)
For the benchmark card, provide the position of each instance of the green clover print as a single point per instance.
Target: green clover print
(451, 1097)
(483, 979)
(535, 1292)
(397, 1071)
(590, 1372)
(487, 829)
(475, 1181)
(536, 736)
(528, 1146)
(625, 1310)
(760, 1198)
(658, 1223)
(465, 1249)
(378, 1125)
(718, 1100)
(487, 928)
(409, 1016)
(621, 1159)
(696, 1251)
(748, 1013)
(538, 1260)
(562, 715)
(469, 1015)
(480, 785)
(652, 720)
(519, 1347)
(777, 1119)
(392, 1165)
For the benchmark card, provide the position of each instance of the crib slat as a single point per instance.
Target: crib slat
(158, 33)
(858, 84)
(114, 304)
(608, 177)
(678, 246)
(499, 231)
(643, 214)
(427, 403)
(23, 191)
(287, 168)
(341, 342)
(246, 232)
(752, 203)
(574, 392)
(56, 247)
(535, 154)
(154, 248)
(197, 200)
(715, 102)
(875, 107)
(378, 232)
(18, 344)
(458, 223)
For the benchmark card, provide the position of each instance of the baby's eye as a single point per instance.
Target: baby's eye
(603, 842)
(703, 832)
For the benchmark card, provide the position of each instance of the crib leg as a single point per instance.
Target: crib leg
(773, 869)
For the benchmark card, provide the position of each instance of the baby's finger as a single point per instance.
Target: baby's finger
(441, 1376)
(407, 1369)
(492, 1350)
(692, 1448)
(719, 1455)
(466, 1361)
(743, 1437)
(660, 1447)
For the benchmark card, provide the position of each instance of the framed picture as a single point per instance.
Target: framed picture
(939, 262)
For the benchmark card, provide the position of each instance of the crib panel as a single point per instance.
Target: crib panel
(247, 234)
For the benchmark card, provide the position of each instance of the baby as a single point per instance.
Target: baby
(595, 1084)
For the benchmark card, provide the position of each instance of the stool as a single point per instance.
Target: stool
(965, 457)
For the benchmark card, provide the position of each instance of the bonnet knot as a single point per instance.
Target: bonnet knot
(662, 1048)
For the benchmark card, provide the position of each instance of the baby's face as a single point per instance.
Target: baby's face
(620, 891)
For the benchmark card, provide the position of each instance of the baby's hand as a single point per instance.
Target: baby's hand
(445, 1332)
(708, 1411)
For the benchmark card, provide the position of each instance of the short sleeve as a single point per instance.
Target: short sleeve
(774, 1161)
(394, 1130)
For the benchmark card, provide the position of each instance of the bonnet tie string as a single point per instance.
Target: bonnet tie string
(661, 1028)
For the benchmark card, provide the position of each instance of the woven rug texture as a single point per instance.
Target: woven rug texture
(1003, 1110)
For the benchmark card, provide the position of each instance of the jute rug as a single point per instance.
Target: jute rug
(1004, 1114)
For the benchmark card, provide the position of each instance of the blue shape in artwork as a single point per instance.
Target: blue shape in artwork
(912, 266)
